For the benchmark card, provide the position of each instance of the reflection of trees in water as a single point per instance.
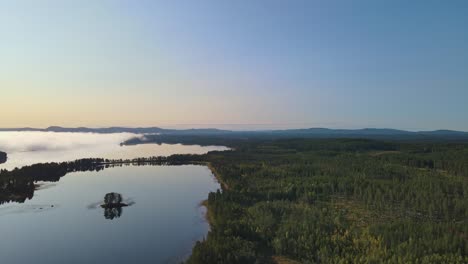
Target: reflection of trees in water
(16, 190)
(111, 213)
(19, 184)
(113, 205)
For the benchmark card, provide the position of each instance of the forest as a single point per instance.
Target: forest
(338, 201)
(315, 200)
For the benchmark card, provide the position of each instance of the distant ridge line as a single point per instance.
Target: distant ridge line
(318, 132)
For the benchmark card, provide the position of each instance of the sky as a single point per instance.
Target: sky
(246, 63)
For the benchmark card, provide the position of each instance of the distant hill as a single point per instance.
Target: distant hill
(328, 131)
(109, 130)
(371, 133)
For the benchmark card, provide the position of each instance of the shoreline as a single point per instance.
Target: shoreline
(217, 176)
(208, 215)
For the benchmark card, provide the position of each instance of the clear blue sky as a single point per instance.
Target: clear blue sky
(349, 64)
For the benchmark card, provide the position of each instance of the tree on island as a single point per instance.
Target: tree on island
(113, 205)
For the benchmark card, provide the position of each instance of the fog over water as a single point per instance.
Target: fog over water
(159, 222)
(27, 148)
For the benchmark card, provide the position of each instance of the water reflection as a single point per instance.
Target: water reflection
(111, 213)
(113, 204)
(163, 226)
(19, 185)
(16, 190)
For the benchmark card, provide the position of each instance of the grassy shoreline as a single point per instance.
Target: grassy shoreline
(209, 214)
(216, 174)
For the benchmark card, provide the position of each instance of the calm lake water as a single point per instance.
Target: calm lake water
(27, 148)
(64, 223)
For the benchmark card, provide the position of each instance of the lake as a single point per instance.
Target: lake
(27, 148)
(64, 222)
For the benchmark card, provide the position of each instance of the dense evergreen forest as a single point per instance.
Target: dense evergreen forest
(338, 201)
(315, 200)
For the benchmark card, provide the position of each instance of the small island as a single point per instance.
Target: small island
(3, 157)
(113, 200)
(113, 205)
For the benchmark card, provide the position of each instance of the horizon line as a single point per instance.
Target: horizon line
(213, 126)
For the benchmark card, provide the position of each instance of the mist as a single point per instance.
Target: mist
(27, 148)
(12, 142)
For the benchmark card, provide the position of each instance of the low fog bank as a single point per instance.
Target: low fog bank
(27, 148)
(12, 142)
